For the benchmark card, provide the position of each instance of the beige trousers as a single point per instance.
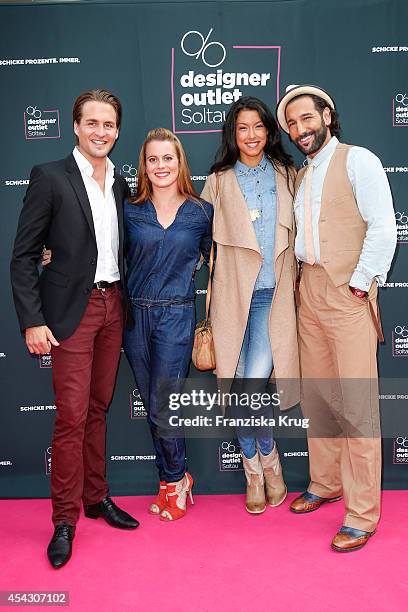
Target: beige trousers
(338, 345)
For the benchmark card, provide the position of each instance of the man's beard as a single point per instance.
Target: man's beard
(319, 138)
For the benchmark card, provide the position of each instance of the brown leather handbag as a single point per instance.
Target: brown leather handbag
(203, 348)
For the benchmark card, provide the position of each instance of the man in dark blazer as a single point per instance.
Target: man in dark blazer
(75, 309)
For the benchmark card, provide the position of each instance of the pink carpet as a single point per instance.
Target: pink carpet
(217, 558)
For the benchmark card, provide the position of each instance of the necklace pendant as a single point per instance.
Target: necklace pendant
(254, 214)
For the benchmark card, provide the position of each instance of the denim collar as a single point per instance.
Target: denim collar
(244, 170)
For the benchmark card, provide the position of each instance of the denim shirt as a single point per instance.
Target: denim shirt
(258, 187)
(161, 262)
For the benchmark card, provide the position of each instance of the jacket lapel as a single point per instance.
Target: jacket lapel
(118, 193)
(299, 179)
(284, 223)
(75, 178)
(233, 225)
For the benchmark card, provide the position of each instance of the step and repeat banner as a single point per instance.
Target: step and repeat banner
(180, 65)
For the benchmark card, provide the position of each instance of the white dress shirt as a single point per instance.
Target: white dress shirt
(374, 201)
(105, 218)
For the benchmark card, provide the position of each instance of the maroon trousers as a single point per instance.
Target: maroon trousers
(84, 371)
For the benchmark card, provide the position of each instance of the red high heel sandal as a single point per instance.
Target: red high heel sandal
(177, 493)
(160, 502)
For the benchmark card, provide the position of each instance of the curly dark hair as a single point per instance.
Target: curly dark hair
(228, 153)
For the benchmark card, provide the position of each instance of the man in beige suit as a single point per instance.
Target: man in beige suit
(346, 237)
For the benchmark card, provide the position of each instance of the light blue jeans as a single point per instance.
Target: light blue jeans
(255, 362)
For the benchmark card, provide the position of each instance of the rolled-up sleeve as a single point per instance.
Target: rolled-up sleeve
(374, 201)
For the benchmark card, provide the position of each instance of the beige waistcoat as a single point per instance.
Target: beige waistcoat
(341, 227)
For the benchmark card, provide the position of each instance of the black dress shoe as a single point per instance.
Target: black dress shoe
(113, 515)
(60, 548)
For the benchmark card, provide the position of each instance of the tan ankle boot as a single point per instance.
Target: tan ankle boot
(255, 493)
(276, 490)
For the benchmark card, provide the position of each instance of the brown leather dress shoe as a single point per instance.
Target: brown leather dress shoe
(350, 539)
(308, 502)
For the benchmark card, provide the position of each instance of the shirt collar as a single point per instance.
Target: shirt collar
(85, 165)
(244, 170)
(324, 153)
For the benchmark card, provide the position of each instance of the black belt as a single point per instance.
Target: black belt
(104, 284)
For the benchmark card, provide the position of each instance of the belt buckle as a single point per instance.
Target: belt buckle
(99, 285)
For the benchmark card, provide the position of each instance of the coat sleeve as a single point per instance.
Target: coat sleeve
(32, 230)
(208, 193)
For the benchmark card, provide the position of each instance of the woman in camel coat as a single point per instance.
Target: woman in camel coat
(241, 255)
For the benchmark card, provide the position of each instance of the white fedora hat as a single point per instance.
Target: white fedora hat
(292, 91)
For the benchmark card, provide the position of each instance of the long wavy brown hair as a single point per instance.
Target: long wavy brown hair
(144, 186)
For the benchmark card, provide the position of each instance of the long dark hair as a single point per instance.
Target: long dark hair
(228, 153)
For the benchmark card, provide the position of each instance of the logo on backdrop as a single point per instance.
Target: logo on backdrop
(389, 49)
(38, 408)
(5, 463)
(39, 61)
(132, 457)
(395, 285)
(402, 227)
(45, 360)
(207, 76)
(400, 341)
(396, 169)
(17, 183)
(129, 173)
(400, 450)
(229, 457)
(137, 410)
(40, 124)
(47, 459)
(400, 110)
(296, 454)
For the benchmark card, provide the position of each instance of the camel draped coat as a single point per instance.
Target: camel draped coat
(237, 266)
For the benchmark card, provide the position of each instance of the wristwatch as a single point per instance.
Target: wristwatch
(358, 292)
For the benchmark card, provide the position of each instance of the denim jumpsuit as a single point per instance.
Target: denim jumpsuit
(255, 361)
(160, 269)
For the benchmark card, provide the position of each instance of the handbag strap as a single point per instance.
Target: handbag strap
(211, 262)
(208, 297)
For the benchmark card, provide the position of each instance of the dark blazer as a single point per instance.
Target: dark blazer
(57, 213)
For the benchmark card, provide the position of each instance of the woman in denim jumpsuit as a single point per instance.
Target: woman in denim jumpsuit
(167, 228)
